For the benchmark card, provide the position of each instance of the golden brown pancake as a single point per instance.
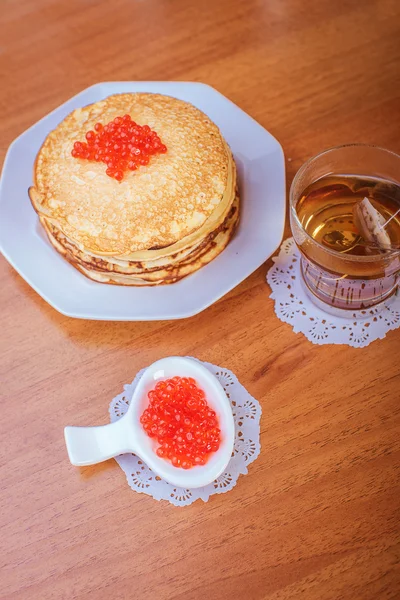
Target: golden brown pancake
(134, 273)
(153, 207)
(151, 254)
(162, 221)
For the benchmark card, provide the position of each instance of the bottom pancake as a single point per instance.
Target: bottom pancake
(136, 274)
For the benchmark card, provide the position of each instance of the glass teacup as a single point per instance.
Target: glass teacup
(345, 219)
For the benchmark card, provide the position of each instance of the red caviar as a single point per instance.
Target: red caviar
(181, 421)
(122, 145)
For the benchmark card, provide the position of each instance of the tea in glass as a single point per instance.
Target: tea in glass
(345, 218)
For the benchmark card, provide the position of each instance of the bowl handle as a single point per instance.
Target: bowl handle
(91, 445)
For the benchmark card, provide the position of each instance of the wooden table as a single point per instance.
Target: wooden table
(317, 517)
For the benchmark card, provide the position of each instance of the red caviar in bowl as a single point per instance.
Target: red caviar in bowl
(182, 422)
(122, 145)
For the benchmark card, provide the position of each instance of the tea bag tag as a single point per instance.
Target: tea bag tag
(371, 224)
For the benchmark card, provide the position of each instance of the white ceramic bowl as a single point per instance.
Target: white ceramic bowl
(90, 445)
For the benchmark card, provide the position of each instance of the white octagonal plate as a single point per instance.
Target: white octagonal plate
(260, 161)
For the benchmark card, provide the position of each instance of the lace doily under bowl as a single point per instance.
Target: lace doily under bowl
(293, 306)
(246, 413)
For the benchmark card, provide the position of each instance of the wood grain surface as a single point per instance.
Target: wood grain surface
(317, 516)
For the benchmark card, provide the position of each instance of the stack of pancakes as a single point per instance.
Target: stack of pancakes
(162, 221)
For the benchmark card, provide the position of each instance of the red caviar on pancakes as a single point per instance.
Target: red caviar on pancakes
(182, 422)
(122, 145)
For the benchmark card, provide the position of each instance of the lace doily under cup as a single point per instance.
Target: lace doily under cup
(246, 412)
(293, 306)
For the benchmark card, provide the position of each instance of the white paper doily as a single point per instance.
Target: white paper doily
(246, 412)
(293, 306)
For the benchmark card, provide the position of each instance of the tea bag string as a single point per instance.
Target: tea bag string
(393, 247)
(388, 221)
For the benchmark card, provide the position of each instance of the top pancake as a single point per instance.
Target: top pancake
(153, 207)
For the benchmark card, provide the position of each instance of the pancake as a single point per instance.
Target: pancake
(164, 220)
(209, 250)
(153, 207)
(209, 225)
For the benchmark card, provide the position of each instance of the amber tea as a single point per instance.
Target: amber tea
(351, 248)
